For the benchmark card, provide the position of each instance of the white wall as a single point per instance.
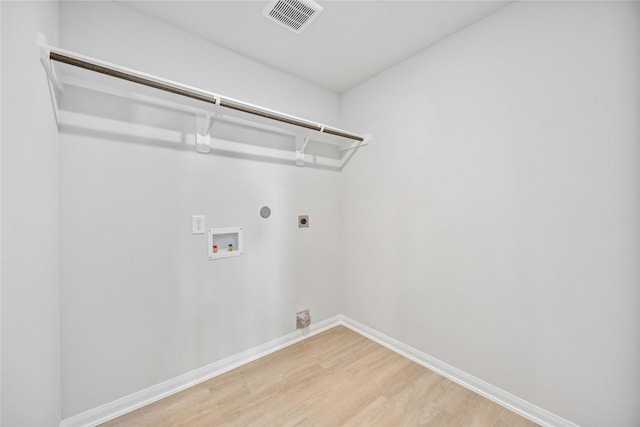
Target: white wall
(493, 223)
(0, 215)
(140, 301)
(30, 222)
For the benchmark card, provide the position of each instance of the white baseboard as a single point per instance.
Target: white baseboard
(109, 411)
(144, 397)
(495, 394)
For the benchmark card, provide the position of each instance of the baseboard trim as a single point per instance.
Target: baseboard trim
(109, 411)
(495, 394)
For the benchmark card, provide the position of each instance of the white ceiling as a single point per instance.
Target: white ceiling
(349, 42)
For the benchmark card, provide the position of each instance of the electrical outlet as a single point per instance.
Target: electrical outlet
(303, 319)
(197, 224)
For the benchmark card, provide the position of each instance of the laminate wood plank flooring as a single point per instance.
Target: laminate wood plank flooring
(336, 378)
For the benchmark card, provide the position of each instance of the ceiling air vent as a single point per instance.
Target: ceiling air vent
(294, 15)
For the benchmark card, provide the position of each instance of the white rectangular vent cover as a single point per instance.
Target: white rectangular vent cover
(294, 15)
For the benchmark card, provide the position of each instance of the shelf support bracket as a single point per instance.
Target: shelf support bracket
(52, 79)
(204, 124)
(43, 46)
(301, 145)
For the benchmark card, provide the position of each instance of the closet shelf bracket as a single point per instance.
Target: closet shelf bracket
(357, 144)
(301, 145)
(204, 126)
(45, 53)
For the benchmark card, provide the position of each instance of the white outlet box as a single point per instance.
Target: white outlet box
(197, 224)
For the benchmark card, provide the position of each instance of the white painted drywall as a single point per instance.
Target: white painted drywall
(30, 222)
(493, 223)
(141, 303)
(0, 215)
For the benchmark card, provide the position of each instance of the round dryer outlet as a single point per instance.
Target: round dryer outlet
(265, 212)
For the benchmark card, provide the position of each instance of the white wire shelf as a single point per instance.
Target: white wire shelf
(72, 75)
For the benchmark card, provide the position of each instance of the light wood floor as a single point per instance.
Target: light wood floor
(337, 378)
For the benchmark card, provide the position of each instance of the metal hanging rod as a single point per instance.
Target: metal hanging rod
(94, 65)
